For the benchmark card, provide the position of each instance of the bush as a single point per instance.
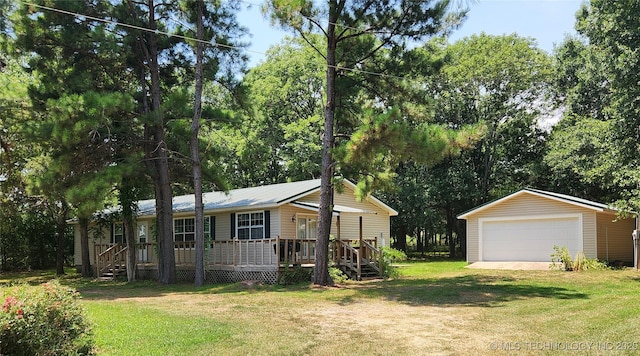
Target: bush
(337, 276)
(390, 256)
(561, 259)
(580, 263)
(43, 320)
(294, 275)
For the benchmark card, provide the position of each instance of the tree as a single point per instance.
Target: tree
(601, 103)
(277, 140)
(354, 33)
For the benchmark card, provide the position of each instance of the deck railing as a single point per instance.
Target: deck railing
(260, 252)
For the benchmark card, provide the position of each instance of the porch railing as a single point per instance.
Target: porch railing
(261, 252)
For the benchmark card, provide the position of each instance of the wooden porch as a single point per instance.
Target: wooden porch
(360, 258)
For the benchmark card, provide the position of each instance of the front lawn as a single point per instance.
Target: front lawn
(434, 308)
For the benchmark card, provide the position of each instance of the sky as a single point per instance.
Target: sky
(546, 21)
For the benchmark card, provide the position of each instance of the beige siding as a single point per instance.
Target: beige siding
(375, 224)
(528, 205)
(473, 247)
(223, 226)
(288, 227)
(614, 238)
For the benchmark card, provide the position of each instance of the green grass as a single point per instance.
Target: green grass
(435, 307)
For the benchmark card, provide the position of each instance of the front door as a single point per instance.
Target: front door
(142, 238)
(307, 230)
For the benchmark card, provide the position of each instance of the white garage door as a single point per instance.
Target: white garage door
(529, 240)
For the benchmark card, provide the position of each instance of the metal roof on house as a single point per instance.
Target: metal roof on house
(262, 197)
(584, 203)
(266, 196)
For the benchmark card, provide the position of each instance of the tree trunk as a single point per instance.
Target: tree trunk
(130, 236)
(462, 236)
(195, 153)
(61, 237)
(164, 196)
(85, 269)
(401, 237)
(325, 209)
(451, 219)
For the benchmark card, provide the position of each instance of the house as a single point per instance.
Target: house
(526, 225)
(250, 233)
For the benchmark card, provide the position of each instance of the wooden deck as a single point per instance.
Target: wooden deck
(357, 258)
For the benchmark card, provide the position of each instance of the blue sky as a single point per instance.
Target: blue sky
(547, 21)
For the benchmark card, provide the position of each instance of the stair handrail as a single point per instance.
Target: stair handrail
(345, 246)
(375, 261)
(121, 257)
(107, 258)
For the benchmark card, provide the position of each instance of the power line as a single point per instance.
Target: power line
(159, 32)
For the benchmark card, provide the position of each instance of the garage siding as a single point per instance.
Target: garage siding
(614, 238)
(473, 243)
(530, 205)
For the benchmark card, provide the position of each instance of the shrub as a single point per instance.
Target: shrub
(294, 275)
(390, 256)
(337, 276)
(43, 320)
(561, 259)
(580, 263)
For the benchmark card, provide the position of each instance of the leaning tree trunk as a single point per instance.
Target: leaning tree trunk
(325, 209)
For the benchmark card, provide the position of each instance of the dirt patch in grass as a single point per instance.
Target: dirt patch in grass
(325, 321)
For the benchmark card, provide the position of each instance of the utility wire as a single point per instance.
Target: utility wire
(156, 31)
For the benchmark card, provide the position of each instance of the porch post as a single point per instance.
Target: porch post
(337, 243)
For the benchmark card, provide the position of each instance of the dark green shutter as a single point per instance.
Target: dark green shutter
(267, 224)
(212, 226)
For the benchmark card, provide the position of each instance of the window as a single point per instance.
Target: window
(184, 230)
(210, 229)
(117, 233)
(250, 226)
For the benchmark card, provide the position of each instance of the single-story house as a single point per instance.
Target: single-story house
(251, 233)
(526, 225)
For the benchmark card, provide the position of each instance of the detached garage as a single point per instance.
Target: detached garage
(525, 225)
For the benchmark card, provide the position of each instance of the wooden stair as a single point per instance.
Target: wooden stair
(111, 262)
(113, 273)
(367, 272)
(360, 262)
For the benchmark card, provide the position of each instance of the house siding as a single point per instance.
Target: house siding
(375, 223)
(529, 205)
(254, 253)
(614, 238)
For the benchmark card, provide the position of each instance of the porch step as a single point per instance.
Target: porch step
(112, 274)
(367, 272)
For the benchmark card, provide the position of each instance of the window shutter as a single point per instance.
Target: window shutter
(233, 225)
(212, 226)
(267, 224)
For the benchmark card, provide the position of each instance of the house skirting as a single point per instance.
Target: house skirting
(213, 274)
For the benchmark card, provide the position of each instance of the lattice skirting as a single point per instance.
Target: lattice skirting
(218, 276)
(214, 276)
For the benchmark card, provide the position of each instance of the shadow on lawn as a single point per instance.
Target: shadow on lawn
(472, 290)
(469, 289)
